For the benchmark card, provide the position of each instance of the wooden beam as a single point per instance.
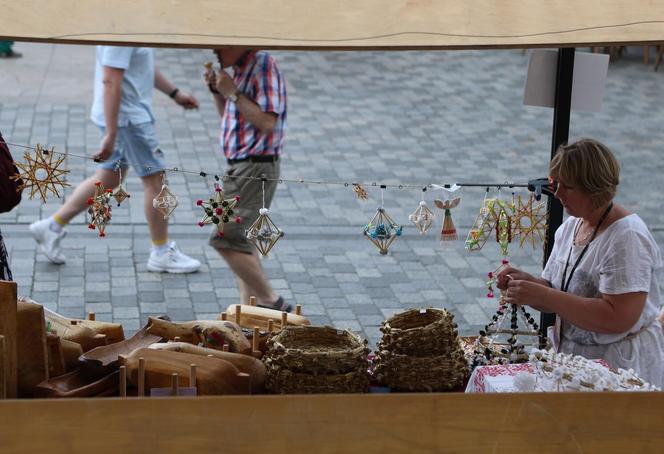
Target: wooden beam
(553, 422)
(335, 24)
(8, 330)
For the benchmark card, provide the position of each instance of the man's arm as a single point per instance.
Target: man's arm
(186, 100)
(263, 121)
(112, 80)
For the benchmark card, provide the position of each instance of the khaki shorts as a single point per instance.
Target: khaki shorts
(251, 200)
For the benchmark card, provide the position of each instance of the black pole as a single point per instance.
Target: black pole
(561, 116)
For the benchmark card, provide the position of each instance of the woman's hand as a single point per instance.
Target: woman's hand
(526, 293)
(509, 273)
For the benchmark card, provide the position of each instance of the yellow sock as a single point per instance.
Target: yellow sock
(58, 220)
(157, 243)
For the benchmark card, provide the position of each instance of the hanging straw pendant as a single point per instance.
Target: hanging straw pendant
(422, 217)
(448, 232)
(119, 193)
(165, 202)
(218, 211)
(100, 208)
(264, 233)
(483, 226)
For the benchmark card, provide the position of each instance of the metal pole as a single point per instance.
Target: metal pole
(561, 118)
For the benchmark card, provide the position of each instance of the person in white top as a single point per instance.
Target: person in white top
(125, 78)
(602, 276)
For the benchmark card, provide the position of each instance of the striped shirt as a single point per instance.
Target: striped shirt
(257, 76)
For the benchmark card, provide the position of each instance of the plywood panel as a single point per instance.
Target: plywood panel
(347, 24)
(412, 423)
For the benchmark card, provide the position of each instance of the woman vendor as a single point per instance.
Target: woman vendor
(601, 277)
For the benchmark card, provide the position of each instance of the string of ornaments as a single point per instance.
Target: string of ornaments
(42, 173)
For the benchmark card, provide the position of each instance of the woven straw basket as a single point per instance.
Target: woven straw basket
(316, 359)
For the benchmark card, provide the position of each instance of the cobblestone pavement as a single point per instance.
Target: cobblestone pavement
(385, 117)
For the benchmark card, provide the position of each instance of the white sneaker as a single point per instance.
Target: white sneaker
(172, 261)
(48, 240)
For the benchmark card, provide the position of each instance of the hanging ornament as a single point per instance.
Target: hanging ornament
(448, 232)
(263, 232)
(422, 217)
(165, 202)
(119, 193)
(483, 226)
(100, 208)
(529, 222)
(218, 211)
(41, 174)
(381, 229)
(503, 224)
(360, 192)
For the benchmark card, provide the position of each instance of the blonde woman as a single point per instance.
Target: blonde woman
(601, 277)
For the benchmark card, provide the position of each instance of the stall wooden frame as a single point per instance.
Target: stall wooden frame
(561, 422)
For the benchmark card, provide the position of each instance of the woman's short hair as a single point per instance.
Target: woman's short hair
(589, 166)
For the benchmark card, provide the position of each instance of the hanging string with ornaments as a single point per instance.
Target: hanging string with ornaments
(43, 173)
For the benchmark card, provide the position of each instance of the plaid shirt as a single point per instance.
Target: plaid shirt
(257, 76)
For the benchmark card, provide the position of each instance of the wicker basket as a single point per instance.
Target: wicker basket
(419, 332)
(420, 351)
(317, 350)
(417, 373)
(316, 359)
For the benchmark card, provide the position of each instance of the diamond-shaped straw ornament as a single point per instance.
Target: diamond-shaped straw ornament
(263, 232)
(218, 211)
(382, 230)
(165, 202)
(100, 208)
(41, 174)
(422, 217)
(120, 195)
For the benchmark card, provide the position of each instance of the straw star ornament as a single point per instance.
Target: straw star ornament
(218, 211)
(41, 173)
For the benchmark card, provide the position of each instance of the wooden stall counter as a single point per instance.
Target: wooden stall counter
(410, 423)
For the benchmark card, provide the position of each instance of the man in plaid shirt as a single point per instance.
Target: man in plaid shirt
(252, 105)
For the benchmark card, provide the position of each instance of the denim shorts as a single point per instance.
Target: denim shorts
(136, 146)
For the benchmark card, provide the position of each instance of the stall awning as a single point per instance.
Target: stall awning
(335, 24)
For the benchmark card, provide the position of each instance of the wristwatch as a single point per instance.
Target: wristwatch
(234, 95)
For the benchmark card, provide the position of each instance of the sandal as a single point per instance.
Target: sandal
(279, 305)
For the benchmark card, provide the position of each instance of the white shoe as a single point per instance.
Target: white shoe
(172, 261)
(48, 240)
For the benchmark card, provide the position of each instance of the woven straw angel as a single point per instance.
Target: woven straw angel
(448, 231)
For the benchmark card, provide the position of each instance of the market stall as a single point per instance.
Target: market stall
(396, 422)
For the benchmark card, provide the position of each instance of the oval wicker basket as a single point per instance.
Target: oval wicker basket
(416, 373)
(419, 332)
(316, 359)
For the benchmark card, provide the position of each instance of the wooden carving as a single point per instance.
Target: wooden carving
(252, 316)
(244, 363)
(91, 335)
(211, 333)
(214, 376)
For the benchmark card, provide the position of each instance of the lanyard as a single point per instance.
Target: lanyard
(565, 285)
